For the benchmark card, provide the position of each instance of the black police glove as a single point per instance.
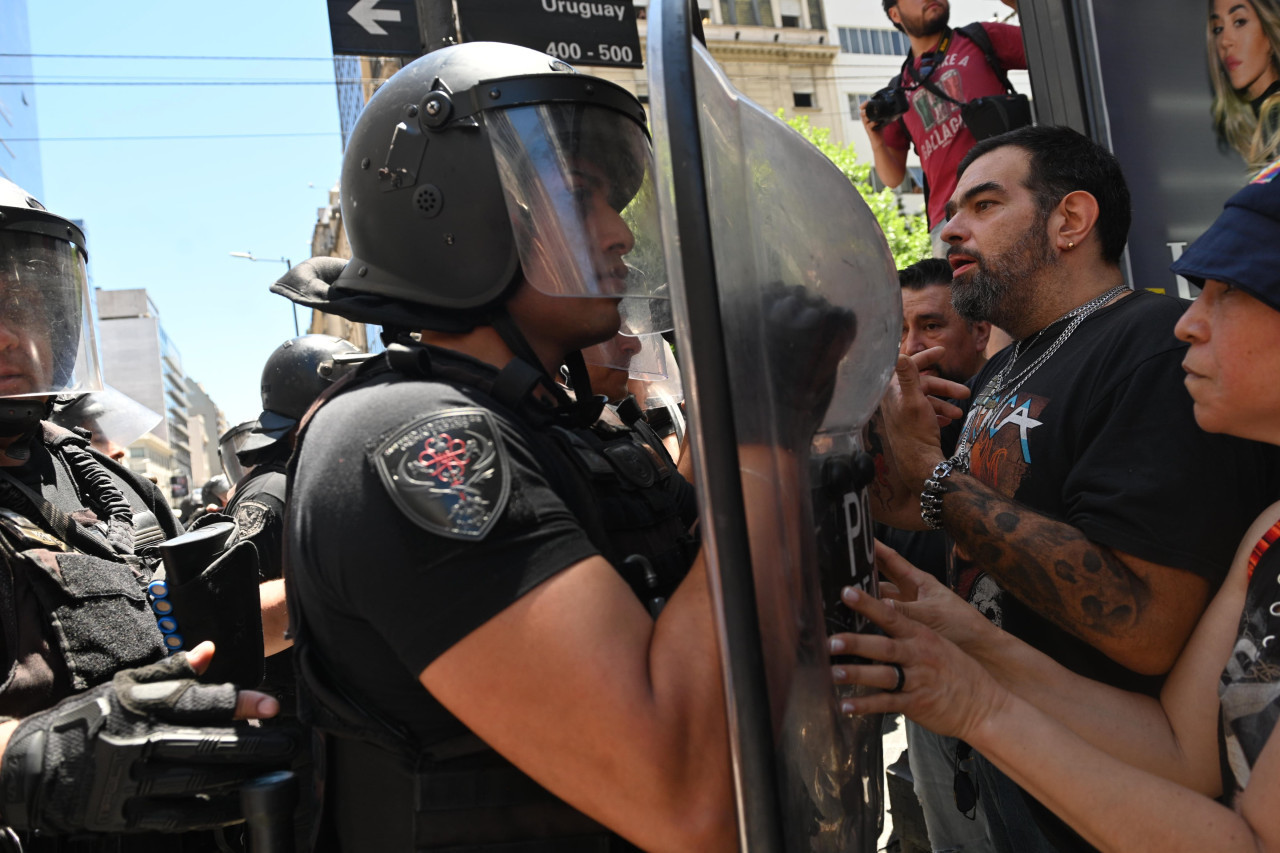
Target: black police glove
(313, 274)
(152, 750)
(806, 336)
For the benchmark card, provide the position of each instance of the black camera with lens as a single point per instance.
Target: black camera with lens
(886, 105)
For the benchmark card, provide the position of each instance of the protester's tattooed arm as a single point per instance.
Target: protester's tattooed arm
(1136, 612)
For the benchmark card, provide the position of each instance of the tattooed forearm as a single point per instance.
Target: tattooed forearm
(1050, 566)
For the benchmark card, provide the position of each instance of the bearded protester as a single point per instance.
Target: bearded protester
(1130, 771)
(1066, 495)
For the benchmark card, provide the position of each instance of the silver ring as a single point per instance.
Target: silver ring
(902, 678)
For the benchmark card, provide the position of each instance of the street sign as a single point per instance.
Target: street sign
(374, 27)
(578, 31)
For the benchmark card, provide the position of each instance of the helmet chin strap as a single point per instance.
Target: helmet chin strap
(20, 419)
(586, 408)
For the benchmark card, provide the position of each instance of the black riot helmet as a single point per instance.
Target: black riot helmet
(215, 491)
(474, 166)
(292, 378)
(47, 344)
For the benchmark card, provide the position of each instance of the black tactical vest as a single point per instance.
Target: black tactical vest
(72, 615)
(383, 790)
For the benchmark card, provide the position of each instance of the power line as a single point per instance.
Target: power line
(140, 56)
(166, 138)
(175, 82)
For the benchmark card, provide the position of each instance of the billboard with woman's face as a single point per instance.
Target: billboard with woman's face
(1182, 91)
(1245, 74)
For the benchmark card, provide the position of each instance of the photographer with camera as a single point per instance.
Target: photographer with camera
(953, 90)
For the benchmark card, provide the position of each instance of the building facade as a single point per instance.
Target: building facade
(206, 424)
(778, 53)
(139, 359)
(19, 150)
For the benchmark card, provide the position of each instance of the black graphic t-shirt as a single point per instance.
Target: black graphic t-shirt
(1102, 437)
(1250, 684)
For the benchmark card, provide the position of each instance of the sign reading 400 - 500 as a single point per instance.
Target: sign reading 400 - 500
(600, 54)
(577, 31)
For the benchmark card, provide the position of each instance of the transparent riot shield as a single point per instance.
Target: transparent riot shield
(754, 217)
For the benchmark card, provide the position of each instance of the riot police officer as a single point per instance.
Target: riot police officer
(213, 499)
(293, 376)
(484, 672)
(100, 726)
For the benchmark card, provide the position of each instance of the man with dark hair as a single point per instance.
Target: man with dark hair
(1062, 162)
(945, 69)
(1072, 474)
(928, 320)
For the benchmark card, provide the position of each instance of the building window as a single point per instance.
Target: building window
(790, 21)
(879, 42)
(802, 99)
(815, 15)
(855, 105)
(757, 13)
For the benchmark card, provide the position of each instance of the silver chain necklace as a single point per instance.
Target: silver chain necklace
(988, 402)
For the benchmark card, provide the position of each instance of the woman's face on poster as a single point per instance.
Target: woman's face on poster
(1242, 45)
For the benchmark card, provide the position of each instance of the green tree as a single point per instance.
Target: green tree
(908, 236)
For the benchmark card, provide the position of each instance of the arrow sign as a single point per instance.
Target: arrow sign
(367, 14)
(374, 27)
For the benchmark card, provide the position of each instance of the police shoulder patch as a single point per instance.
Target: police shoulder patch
(447, 473)
(251, 517)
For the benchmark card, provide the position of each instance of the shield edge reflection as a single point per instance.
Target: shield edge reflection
(680, 176)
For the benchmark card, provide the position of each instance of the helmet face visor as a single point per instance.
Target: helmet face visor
(578, 182)
(229, 446)
(113, 417)
(654, 391)
(46, 328)
(644, 357)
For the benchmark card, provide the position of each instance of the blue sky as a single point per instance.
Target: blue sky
(163, 213)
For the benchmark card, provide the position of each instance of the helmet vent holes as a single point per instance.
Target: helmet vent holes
(428, 199)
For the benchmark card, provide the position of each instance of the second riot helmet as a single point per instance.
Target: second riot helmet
(292, 378)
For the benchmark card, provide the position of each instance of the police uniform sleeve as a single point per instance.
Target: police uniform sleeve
(451, 520)
(260, 520)
(1149, 482)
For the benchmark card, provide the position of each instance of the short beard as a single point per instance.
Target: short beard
(999, 289)
(926, 30)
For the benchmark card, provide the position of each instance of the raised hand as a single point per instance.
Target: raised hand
(940, 686)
